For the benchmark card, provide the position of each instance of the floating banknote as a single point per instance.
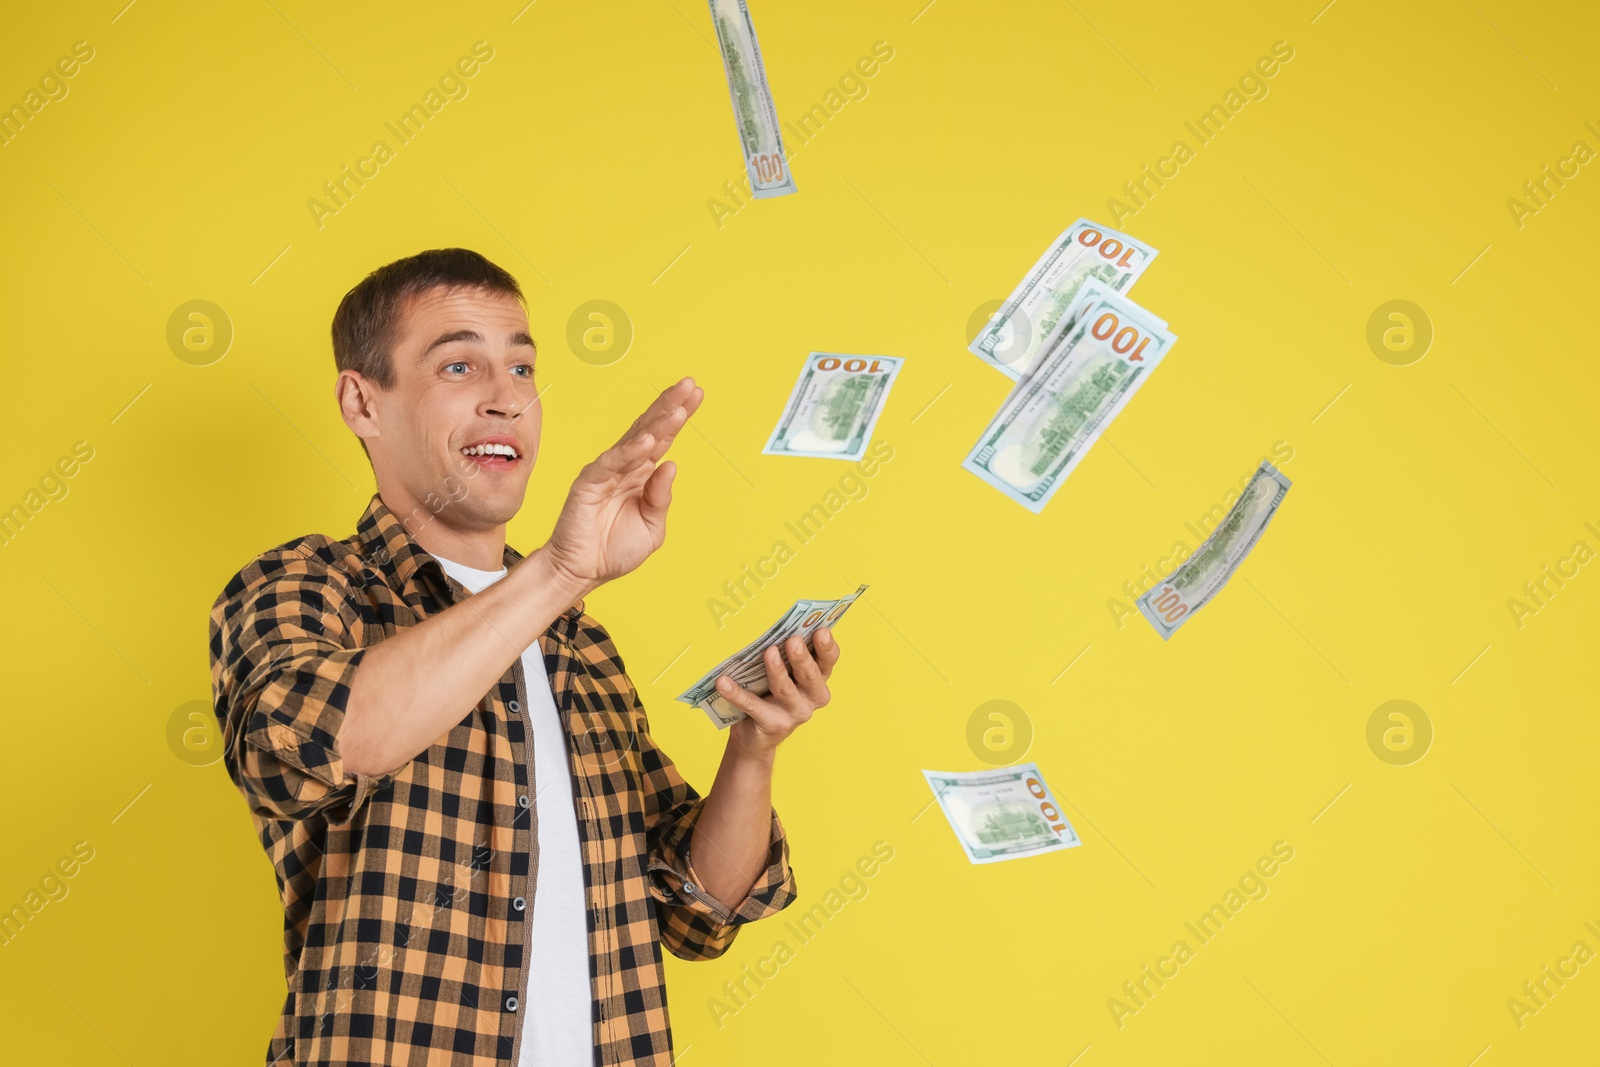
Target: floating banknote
(1002, 814)
(757, 119)
(1090, 367)
(1016, 333)
(749, 669)
(1201, 576)
(834, 406)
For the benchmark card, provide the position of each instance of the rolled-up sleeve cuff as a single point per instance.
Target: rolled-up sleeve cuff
(673, 879)
(291, 753)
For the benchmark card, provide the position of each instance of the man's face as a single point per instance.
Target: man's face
(463, 395)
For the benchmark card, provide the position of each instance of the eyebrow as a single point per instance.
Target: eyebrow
(475, 337)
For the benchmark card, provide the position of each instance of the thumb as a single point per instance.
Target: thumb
(657, 492)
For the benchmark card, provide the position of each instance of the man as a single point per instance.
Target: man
(479, 848)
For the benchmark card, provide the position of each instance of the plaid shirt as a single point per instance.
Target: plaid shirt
(408, 896)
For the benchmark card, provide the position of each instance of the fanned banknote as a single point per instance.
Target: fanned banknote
(1017, 332)
(1200, 577)
(753, 112)
(1089, 369)
(1003, 814)
(747, 667)
(834, 406)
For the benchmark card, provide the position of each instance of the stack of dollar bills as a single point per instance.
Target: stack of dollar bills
(749, 669)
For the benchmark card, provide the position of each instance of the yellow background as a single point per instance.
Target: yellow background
(1378, 168)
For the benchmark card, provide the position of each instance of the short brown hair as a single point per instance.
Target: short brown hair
(365, 324)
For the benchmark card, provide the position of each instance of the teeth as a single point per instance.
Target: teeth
(490, 450)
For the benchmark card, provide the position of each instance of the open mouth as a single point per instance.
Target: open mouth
(493, 455)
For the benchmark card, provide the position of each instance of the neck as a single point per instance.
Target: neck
(479, 547)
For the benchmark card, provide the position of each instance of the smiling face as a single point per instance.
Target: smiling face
(457, 432)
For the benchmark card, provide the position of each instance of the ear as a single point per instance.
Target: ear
(357, 403)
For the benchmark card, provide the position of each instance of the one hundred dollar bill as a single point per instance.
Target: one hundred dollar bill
(1016, 333)
(1186, 590)
(1091, 366)
(753, 112)
(834, 406)
(749, 669)
(1003, 814)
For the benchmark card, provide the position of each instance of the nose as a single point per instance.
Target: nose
(506, 397)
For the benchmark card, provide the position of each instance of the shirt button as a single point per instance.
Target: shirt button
(514, 706)
(519, 903)
(688, 887)
(511, 1004)
(523, 800)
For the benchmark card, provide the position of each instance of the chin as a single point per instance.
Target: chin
(492, 510)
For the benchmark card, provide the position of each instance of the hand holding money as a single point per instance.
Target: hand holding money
(796, 689)
(750, 669)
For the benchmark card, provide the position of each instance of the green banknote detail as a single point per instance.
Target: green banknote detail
(1001, 814)
(754, 116)
(1088, 370)
(1198, 579)
(834, 406)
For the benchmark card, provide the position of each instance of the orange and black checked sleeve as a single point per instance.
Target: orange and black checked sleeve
(283, 662)
(694, 925)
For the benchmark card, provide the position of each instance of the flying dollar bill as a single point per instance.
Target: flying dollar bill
(764, 158)
(1002, 814)
(1200, 577)
(747, 667)
(1089, 369)
(834, 406)
(1016, 333)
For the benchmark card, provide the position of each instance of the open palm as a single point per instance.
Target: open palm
(615, 515)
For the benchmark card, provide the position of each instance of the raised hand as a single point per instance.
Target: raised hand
(615, 515)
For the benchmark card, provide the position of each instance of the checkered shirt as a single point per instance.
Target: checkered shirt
(408, 896)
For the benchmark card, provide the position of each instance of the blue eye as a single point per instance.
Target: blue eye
(527, 368)
(458, 363)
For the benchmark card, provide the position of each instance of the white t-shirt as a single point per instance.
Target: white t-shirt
(556, 1029)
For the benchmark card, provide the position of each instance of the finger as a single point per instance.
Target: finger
(660, 429)
(622, 457)
(806, 673)
(783, 687)
(671, 397)
(827, 651)
(764, 714)
(667, 427)
(657, 494)
(665, 430)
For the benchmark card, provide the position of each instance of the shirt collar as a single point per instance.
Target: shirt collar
(387, 543)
